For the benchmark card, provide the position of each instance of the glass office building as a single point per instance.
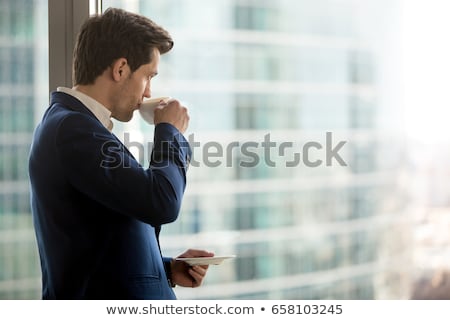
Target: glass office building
(297, 165)
(23, 87)
(260, 74)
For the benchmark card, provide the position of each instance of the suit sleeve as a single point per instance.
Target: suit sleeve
(97, 164)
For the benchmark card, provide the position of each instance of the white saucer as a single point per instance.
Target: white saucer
(205, 260)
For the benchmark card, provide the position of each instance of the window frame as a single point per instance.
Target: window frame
(65, 18)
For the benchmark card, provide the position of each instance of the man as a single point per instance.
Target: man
(97, 212)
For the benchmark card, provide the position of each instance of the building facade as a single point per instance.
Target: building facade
(23, 93)
(295, 169)
(264, 79)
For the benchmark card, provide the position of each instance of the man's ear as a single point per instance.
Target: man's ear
(119, 69)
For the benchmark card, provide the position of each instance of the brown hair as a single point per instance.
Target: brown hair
(116, 34)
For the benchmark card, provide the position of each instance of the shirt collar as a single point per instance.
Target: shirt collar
(99, 110)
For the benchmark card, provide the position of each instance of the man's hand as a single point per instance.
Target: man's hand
(185, 275)
(174, 113)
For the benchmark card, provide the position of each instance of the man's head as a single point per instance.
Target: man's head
(116, 56)
(116, 34)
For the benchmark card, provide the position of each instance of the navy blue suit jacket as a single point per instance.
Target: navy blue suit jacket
(97, 212)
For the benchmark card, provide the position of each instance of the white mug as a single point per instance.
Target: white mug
(147, 108)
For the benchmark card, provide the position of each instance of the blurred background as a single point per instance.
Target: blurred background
(373, 73)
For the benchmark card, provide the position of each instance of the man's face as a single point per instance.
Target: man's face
(134, 89)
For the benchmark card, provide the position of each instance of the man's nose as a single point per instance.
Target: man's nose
(147, 91)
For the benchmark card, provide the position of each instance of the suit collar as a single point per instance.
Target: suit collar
(70, 102)
(98, 109)
(77, 101)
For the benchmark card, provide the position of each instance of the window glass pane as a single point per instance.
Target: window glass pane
(23, 94)
(273, 87)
